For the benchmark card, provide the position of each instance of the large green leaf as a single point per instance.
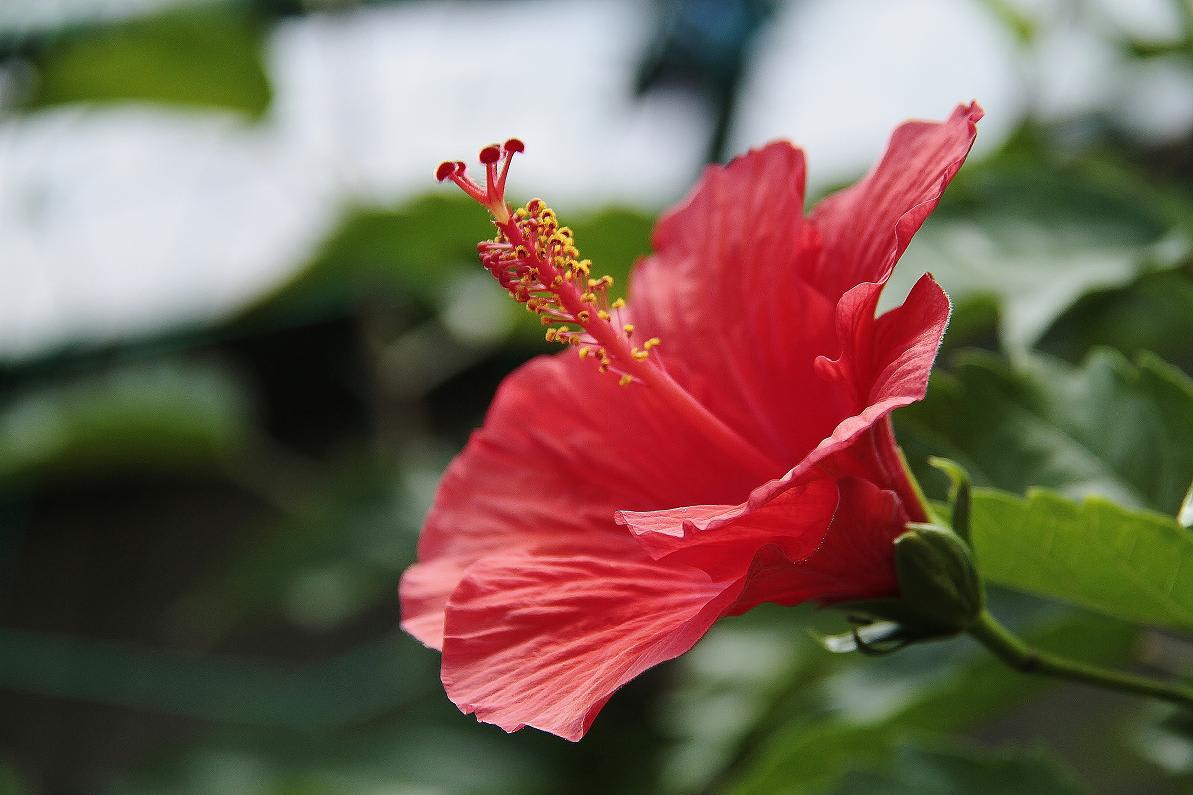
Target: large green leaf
(1038, 238)
(210, 57)
(1136, 565)
(1108, 427)
(1149, 314)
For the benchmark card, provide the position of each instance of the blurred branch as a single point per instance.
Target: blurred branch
(704, 46)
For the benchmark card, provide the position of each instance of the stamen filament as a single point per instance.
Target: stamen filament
(536, 261)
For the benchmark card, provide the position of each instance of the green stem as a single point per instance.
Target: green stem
(1017, 654)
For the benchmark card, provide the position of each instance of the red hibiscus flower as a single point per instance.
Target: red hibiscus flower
(728, 444)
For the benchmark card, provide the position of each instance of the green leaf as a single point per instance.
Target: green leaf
(922, 771)
(1108, 427)
(1135, 565)
(210, 57)
(134, 418)
(1038, 238)
(1149, 314)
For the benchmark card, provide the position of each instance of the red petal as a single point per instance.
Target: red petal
(545, 641)
(563, 446)
(794, 521)
(887, 363)
(856, 560)
(725, 293)
(866, 227)
(906, 340)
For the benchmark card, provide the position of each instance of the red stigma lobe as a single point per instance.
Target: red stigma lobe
(536, 260)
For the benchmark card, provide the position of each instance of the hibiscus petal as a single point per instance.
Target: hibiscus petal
(793, 521)
(545, 641)
(562, 447)
(866, 227)
(906, 341)
(724, 291)
(855, 561)
(888, 361)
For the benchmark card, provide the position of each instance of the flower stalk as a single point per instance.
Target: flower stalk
(1009, 648)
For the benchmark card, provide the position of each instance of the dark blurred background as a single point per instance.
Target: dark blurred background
(242, 332)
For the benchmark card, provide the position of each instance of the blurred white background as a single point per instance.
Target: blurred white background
(93, 199)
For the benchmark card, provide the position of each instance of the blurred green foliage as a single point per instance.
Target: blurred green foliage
(205, 56)
(200, 534)
(1107, 427)
(142, 417)
(920, 771)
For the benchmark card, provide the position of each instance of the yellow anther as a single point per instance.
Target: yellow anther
(639, 354)
(583, 316)
(607, 280)
(625, 380)
(584, 351)
(551, 334)
(603, 315)
(651, 343)
(618, 304)
(628, 328)
(588, 298)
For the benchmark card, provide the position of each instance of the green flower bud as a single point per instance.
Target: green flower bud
(938, 582)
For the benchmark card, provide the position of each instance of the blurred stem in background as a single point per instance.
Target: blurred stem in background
(703, 46)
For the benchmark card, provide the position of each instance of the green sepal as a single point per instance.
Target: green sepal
(940, 592)
(937, 577)
(861, 638)
(959, 494)
(863, 611)
(876, 637)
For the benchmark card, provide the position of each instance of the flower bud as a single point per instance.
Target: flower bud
(937, 579)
